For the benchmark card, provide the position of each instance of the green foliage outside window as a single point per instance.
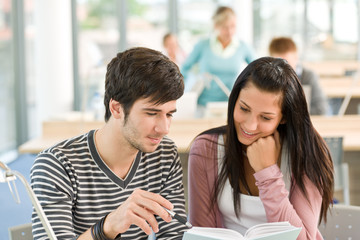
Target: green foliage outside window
(102, 9)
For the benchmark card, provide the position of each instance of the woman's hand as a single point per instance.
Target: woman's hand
(264, 152)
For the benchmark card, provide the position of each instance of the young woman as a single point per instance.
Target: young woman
(268, 164)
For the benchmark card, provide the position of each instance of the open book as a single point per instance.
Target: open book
(265, 231)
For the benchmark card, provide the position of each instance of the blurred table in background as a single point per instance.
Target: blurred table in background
(182, 131)
(336, 79)
(340, 86)
(333, 68)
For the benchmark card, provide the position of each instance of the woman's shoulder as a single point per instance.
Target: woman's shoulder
(205, 144)
(211, 135)
(207, 136)
(202, 43)
(203, 154)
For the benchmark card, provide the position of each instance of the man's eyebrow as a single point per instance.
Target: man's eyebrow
(156, 110)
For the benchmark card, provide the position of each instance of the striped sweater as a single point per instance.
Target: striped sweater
(76, 188)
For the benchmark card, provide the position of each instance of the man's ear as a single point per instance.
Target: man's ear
(116, 109)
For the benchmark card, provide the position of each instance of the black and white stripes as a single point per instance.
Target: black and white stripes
(76, 188)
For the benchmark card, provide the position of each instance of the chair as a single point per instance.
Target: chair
(342, 223)
(341, 169)
(21, 232)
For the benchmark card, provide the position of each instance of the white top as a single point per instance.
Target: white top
(218, 49)
(252, 210)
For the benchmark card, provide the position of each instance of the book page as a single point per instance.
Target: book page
(290, 234)
(265, 231)
(212, 233)
(273, 229)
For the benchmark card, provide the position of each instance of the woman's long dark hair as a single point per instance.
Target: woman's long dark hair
(308, 153)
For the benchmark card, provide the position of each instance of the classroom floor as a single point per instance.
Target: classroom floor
(13, 214)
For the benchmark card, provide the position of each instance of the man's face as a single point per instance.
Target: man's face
(147, 124)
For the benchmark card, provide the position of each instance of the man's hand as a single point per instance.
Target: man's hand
(138, 209)
(264, 152)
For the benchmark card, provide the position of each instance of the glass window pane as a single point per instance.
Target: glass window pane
(333, 30)
(346, 28)
(318, 29)
(98, 42)
(274, 18)
(320, 35)
(147, 23)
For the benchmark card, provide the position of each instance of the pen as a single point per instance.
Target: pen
(179, 218)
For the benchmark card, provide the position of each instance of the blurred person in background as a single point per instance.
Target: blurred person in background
(173, 49)
(285, 48)
(220, 56)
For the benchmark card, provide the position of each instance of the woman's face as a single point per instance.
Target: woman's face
(226, 29)
(257, 114)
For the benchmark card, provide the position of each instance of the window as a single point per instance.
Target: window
(322, 29)
(147, 23)
(98, 42)
(101, 23)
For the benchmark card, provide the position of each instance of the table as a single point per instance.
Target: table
(339, 87)
(183, 131)
(333, 68)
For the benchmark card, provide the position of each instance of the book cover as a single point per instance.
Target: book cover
(265, 231)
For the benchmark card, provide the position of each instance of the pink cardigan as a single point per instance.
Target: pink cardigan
(203, 171)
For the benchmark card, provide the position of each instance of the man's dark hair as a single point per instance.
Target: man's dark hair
(141, 73)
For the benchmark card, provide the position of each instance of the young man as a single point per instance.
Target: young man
(117, 180)
(284, 47)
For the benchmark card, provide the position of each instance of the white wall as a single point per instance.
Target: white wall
(244, 15)
(53, 58)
